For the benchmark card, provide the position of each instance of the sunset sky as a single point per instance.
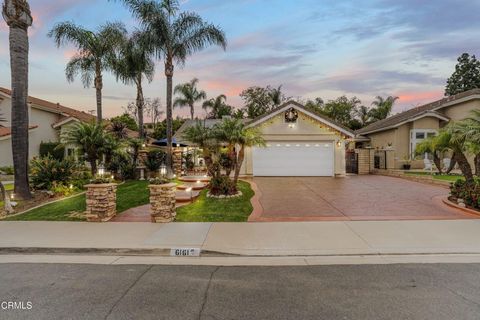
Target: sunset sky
(314, 48)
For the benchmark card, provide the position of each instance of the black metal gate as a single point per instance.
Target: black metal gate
(351, 161)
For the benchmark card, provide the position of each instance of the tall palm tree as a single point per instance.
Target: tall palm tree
(457, 138)
(382, 107)
(218, 107)
(18, 17)
(132, 65)
(470, 128)
(174, 37)
(189, 94)
(95, 53)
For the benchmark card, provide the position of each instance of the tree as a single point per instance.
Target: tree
(131, 66)
(382, 107)
(315, 105)
(189, 95)
(470, 129)
(363, 115)
(152, 110)
(202, 137)
(341, 110)
(160, 131)
(126, 119)
(96, 51)
(174, 37)
(218, 107)
(436, 146)
(276, 95)
(18, 17)
(234, 133)
(119, 129)
(257, 101)
(457, 138)
(465, 77)
(90, 138)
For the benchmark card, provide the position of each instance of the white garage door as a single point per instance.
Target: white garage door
(291, 159)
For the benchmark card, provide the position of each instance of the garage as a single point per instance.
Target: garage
(294, 159)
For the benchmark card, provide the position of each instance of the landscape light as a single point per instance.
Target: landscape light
(198, 181)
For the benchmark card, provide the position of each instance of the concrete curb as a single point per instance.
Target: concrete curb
(454, 205)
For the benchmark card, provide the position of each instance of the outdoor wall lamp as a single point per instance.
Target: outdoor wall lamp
(101, 170)
(163, 170)
(339, 143)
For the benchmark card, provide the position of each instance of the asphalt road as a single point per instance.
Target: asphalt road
(447, 291)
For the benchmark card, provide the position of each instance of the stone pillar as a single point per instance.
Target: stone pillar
(372, 160)
(363, 161)
(177, 162)
(162, 201)
(101, 202)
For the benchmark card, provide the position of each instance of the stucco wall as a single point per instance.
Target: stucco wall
(44, 131)
(306, 129)
(460, 111)
(426, 123)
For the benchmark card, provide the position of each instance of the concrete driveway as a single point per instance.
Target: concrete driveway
(350, 198)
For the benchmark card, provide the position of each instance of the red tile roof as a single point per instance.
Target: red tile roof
(6, 131)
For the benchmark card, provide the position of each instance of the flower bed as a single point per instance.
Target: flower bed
(466, 194)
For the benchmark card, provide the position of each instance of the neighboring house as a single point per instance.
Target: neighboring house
(298, 143)
(403, 131)
(47, 121)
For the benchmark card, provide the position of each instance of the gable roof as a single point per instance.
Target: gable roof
(289, 104)
(7, 131)
(427, 110)
(55, 107)
(68, 114)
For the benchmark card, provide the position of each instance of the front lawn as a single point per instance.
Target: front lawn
(218, 210)
(444, 177)
(129, 195)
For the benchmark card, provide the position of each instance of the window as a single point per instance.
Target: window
(417, 136)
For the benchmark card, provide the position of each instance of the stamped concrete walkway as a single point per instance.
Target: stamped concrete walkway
(350, 198)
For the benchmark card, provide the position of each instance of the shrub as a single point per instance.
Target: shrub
(8, 170)
(54, 149)
(222, 185)
(127, 170)
(81, 177)
(154, 160)
(160, 180)
(469, 192)
(45, 171)
(64, 190)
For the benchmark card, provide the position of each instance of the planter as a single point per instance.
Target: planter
(407, 166)
(162, 202)
(101, 202)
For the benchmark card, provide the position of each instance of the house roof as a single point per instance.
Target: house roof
(427, 110)
(68, 114)
(332, 123)
(7, 131)
(55, 107)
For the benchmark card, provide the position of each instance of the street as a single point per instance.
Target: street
(399, 291)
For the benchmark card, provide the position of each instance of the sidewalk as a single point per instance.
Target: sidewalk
(249, 239)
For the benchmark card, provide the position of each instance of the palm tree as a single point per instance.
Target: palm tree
(457, 138)
(470, 128)
(132, 65)
(238, 137)
(95, 53)
(203, 138)
(174, 36)
(90, 138)
(363, 115)
(119, 129)
(189, 94)
(18, 17)
(276, 95)
(436, 146)
(383, 107)
(218, 107)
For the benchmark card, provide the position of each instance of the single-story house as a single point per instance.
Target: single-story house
(403, 131)
(47, 120)
(298, 143)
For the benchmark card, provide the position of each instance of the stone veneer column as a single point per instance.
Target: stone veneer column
(162, 201)
(177, 162)
(101, 202)
(363, 161)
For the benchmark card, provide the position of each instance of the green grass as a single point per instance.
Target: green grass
(218, 210)
(129, 195)
(444, 177)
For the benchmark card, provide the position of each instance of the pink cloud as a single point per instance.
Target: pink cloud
(413, 97)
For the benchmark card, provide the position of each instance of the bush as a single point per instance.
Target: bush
(127, 170)
(54, 149)
(222, 185)
(469, 192)
(8, 170)
(45, 171)
(64, 190)
(154, 160)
